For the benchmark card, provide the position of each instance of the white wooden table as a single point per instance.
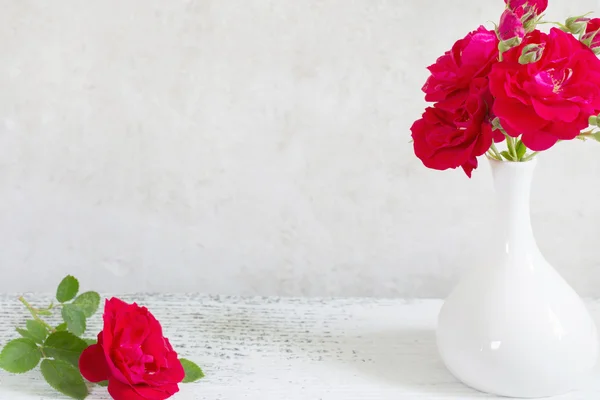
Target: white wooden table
(296, 349)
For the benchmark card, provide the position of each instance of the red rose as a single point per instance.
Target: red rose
(552, 98)
(132, 355)
(445, 139)
(451, 75)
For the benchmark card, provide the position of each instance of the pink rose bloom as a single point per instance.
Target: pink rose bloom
(451, 75)
(510, 26)
(552, 98)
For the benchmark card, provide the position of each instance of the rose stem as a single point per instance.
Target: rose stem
(34, 314)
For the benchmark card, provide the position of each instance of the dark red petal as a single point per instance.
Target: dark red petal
(484, 141)
(172, 372)
(518, 115)
(120, 391)
(512, 132)
(469, 166)
(539, 141)
(556, 111)
(156, 393)
(92, 364)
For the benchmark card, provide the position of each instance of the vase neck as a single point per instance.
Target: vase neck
(512, 183)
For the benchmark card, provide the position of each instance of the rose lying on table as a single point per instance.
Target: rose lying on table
(131, 356)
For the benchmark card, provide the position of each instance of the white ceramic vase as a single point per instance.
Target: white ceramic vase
(514, 327)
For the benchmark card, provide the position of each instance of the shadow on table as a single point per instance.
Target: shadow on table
(407, 359)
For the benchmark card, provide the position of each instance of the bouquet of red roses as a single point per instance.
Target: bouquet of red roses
(515, 84)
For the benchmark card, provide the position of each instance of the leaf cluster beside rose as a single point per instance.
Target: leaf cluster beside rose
(131, 355)
(514, 84)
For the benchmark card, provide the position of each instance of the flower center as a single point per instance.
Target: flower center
(554, 79)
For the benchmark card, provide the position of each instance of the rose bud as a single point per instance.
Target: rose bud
(531, 53)
(527, 6)
(510, 27)
(591, 38)
(576, 25)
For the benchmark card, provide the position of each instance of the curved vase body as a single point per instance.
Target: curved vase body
(514, 327)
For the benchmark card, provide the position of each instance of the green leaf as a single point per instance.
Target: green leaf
(521, 149)
(20, 355)
(67, 290)
(65, 378)
(75, 319)
(596, 136)
(192, 371)
(61, 327)
(88, 302)
(37, 330)
(45, 313)
(64, 346)
(103, 383)
(90, 342)
(507, 155)
(26, 334)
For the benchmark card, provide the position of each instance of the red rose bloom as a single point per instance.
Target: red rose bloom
(451, 75)
(132, 355)
(552, 98)
(445, 139)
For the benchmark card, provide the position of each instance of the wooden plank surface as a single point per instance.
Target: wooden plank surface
(297, 349)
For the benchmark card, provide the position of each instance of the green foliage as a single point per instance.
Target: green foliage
(88, 303)
(507, 155)
(67, 289)
(58, 347)
(64, 346)
(19, 356)
(37, 329)
(193, 372)
(521, 150)
(64, 377)
(27, 335)
(74, 318)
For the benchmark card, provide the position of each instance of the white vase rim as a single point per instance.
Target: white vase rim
(513, 164)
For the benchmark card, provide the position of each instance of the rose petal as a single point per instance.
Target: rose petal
(538, 141)
(161, 393)
(557, 111)
(520, 116)
(120, 391)
(92, 364)
(172, 372)
(469, 166)
(509, 129)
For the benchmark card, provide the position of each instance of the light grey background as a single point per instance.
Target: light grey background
(252, 147)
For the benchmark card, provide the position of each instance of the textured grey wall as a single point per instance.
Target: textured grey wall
(252, 147)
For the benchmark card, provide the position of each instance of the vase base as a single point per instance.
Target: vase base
(510, 394)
